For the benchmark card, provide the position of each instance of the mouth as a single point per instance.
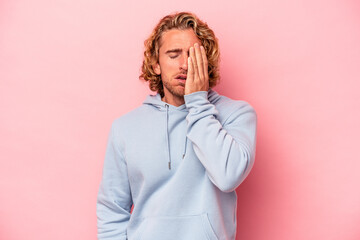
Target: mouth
(182, 79)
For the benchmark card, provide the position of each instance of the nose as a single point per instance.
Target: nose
(184, 62)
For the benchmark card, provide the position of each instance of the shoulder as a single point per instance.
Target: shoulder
(132, 118)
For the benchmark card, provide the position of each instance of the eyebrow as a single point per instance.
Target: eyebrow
(176, 50)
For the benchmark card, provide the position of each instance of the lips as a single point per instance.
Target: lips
(181, 77)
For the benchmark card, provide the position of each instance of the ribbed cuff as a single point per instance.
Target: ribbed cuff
(196, 99)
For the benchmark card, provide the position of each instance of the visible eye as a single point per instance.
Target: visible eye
(174, 56)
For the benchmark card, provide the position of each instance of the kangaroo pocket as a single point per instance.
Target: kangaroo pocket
(196, 227)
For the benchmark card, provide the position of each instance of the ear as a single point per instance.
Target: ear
(157, 69)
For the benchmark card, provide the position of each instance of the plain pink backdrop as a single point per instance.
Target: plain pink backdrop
(69, 68)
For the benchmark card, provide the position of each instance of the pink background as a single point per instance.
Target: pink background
(69, 68)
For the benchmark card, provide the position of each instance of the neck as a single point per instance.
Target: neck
(175, 101)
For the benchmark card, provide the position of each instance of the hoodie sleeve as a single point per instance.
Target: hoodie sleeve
(226, 151)
(114, 197)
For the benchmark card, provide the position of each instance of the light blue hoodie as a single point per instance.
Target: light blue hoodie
(179, 166)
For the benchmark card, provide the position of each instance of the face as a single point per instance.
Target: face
(172, 66)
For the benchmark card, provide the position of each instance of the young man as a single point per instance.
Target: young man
(180, 156)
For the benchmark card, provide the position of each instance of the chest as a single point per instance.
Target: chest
(151, 145)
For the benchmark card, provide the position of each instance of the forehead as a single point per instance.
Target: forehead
(176, 38)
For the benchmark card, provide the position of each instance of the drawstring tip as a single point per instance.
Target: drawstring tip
(183, 155)
(169, 165)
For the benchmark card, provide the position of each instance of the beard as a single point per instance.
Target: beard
(174, 90)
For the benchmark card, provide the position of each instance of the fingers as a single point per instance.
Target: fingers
(190, 73)
(197, 75)
(205, 62)
(194, 62)
(199, 61)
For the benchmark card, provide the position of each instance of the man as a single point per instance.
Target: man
(179, 157)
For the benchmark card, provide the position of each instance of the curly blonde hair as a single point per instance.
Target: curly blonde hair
(181, 21)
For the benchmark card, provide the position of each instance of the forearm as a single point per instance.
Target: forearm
(227, 152)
